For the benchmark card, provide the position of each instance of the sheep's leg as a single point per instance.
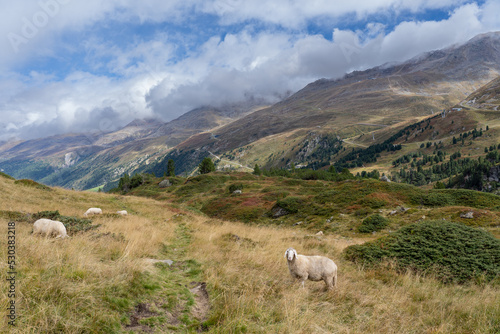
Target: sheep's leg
(329, 282)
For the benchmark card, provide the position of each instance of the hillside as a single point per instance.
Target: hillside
(363, 102)
(225, 276)
(317, 126)
(84, 161)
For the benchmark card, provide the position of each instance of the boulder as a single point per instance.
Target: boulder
(278, 211)
(385, 179)
(467, 215)
(164, 184)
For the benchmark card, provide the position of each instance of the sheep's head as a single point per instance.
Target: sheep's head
(290, 253)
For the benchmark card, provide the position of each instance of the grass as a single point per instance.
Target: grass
(315, 202)
(101, 281)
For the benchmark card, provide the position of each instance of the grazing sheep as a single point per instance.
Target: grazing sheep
(92, 211)
(49, 227)
(314, 268)
(123, 212)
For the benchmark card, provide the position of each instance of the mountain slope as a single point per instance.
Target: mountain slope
(383, 95)
(85, 161)
(361, 109)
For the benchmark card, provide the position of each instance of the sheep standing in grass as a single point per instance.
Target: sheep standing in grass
(122, 212)
(49, 227)
(92, 211)
(313, 268)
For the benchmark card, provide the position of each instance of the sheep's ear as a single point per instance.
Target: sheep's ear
(295, 253)
(286, 252)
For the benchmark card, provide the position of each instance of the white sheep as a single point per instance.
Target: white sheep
(313, 268)
(122, 213)
(49, 227)
(92, 211)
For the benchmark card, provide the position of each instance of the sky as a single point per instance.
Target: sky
(86, 66)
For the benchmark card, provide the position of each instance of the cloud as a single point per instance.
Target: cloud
(297, 13)
(261, 49)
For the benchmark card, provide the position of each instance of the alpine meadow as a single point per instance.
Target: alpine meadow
(250, 167)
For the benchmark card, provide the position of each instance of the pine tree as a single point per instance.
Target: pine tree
(206, 166)
(256, 170)
(171, 168)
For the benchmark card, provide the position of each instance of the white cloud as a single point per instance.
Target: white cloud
(144, 76)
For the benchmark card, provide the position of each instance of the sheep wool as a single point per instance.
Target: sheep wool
(92, 211)
(313, 268)
(49, 227)
(122, 212)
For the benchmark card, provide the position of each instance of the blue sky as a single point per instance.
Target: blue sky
(68, 65)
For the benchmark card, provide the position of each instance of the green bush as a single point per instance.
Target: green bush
(290, 204)
(6, 176)
(235, 186)
(136, 180)
(453, 252)
(31, 183)
(373, 223)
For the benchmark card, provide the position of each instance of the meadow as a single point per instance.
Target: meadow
(226, 276)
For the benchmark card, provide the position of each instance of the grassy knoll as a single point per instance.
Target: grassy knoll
(337, 207)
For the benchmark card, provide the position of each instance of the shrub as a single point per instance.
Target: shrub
(31, 183)
(373, 223)
(136, 180)
(453, 252)
(6, 176)
(235, 186)
(290, 204)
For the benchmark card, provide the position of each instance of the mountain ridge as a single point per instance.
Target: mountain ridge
(362, 102)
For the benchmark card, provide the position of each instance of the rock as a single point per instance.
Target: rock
(298, 223)
(164, 184)
(385, 179)
(393, 212)
(467, 215)
(237, 192)
(169, 262)
(403, 209)
(319, 233)
(278, 211)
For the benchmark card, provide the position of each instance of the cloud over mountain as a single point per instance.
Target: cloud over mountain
(73, 66)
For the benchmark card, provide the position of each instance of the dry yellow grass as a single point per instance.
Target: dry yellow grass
(61, 283)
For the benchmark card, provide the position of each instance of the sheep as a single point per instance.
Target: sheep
(50, 227)
(92, 211)
(314, 268)
(122, 213)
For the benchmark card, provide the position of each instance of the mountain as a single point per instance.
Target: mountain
(385, 97)
(485, 98)
(84, 161)
(317, 125)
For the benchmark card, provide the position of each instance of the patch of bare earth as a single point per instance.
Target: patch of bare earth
(141, 311)
(199, 311)
(201, 307)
